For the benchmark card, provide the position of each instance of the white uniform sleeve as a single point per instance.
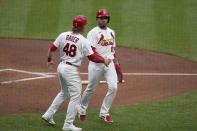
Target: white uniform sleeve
(58, 41)
(114, 45)
(114, 42)
(92, 38)
(87, 50)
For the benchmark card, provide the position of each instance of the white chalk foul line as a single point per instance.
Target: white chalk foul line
(43, 75)
(146, 74)
(23, 71)
(40, 75)
(26, 79)
(4, 70)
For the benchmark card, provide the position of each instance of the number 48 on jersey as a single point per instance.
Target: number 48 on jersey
(70, 50)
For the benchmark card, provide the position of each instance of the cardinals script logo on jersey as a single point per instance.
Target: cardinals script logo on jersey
(107, 42)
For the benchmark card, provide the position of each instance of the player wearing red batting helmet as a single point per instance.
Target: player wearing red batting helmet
(102, 16)
(73, 46)
(102, 39)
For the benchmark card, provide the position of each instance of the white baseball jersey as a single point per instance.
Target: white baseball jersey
(73, 47)
(103, 41)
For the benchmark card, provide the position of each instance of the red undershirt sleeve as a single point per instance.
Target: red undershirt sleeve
(53, 47)
(95, 57)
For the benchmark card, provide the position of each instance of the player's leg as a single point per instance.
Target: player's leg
(74, 88)
(95, 73)
(61, 96)
(111, 78)
(75, 96)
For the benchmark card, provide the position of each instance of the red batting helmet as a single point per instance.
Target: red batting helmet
(79, 21)
(102, 13)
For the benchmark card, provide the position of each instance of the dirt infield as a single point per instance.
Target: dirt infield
(36, 95)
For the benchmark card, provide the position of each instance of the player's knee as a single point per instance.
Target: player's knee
(62, 93)
(113, 88)
(75, 97)
(91, 89)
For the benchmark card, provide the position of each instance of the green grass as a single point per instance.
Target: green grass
(172, 114)
(167, 26)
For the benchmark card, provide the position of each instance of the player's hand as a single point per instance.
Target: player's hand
(50, 64)
(107, 62)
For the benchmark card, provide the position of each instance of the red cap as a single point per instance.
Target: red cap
(79, 21)
(102, 13)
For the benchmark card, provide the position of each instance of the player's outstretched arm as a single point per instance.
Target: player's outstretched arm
(50, 55)
(95, 57)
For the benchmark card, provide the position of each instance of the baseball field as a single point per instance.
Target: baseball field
(157, 49)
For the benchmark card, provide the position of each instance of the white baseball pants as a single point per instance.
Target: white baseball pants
(70, 86)
(95, 72)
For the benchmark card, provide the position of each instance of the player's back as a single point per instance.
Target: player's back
(73, 47)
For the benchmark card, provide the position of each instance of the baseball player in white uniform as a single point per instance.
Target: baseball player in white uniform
(102, 40)
(73, 47)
